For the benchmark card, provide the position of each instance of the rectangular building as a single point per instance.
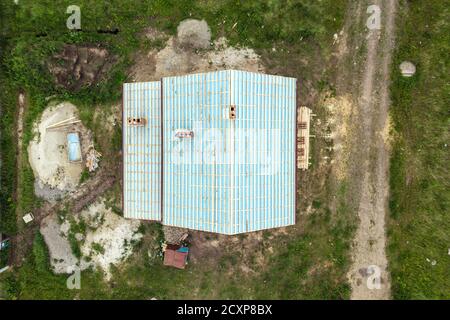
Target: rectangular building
(227, 151)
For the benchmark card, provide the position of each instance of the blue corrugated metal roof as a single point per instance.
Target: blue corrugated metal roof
(73, 147)
(234, 175)
(142, 151)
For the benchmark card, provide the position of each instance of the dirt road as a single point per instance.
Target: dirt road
(19, 134)
(365, 71)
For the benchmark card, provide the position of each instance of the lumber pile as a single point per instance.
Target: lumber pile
(64, 123)
(303, 135)
(92, 159)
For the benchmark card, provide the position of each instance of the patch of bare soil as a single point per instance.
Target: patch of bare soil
(109, 238)
(80, 66)
(250, 249)
(194, 34)
(19, 133)
(47, 152)
(182, 55)
(191, 51)
(365, 145)
(55, 235)
(340, 110)
(77, 200)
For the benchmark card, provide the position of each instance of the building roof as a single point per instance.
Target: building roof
(235, 173)
(142, 151)
(175, 257)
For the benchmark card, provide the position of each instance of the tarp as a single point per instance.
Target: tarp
(73, 147)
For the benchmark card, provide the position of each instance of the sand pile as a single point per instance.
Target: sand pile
(47, 152)
(109, 239)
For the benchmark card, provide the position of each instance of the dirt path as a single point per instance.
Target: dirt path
(368, 150)
(86, 194)
(19, 134)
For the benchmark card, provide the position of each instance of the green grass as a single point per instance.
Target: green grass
(84, 175)
(8, 159)
(304, 265)
(419, 225)
(23, 67)
(34, 280)
(4, 253)
(307, 265)
(309, 262)
(25, 54)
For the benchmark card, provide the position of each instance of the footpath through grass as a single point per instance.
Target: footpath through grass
(419, 224)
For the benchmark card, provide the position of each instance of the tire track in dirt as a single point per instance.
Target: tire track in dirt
(369, 168)
(21, 102)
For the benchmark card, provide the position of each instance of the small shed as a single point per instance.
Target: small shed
(73, 147)
(176, 256)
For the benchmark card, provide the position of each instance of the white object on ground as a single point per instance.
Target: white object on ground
(407, 69)
(194, 33)
(92, 159)
(4, 269)
(47, 151)
(28, 218)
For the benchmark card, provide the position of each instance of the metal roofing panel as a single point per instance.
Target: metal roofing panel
(233, 175)
(264, 163)
(196, 179)
(142, 151)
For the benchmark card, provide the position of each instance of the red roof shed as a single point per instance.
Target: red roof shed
(175, 258)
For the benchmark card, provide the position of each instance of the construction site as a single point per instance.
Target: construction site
(200, 162)
(61, 150)
(226, 150)
(214, 151)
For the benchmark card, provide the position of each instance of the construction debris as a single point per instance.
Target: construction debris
(4, 269)
(184, 133)
(92, 159)
(174, 234)
(64, 123)
(28, 218)
(303, 135)
(137, 121)
(183, 238)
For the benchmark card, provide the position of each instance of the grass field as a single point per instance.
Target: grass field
(419, 225)
(310, 261)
